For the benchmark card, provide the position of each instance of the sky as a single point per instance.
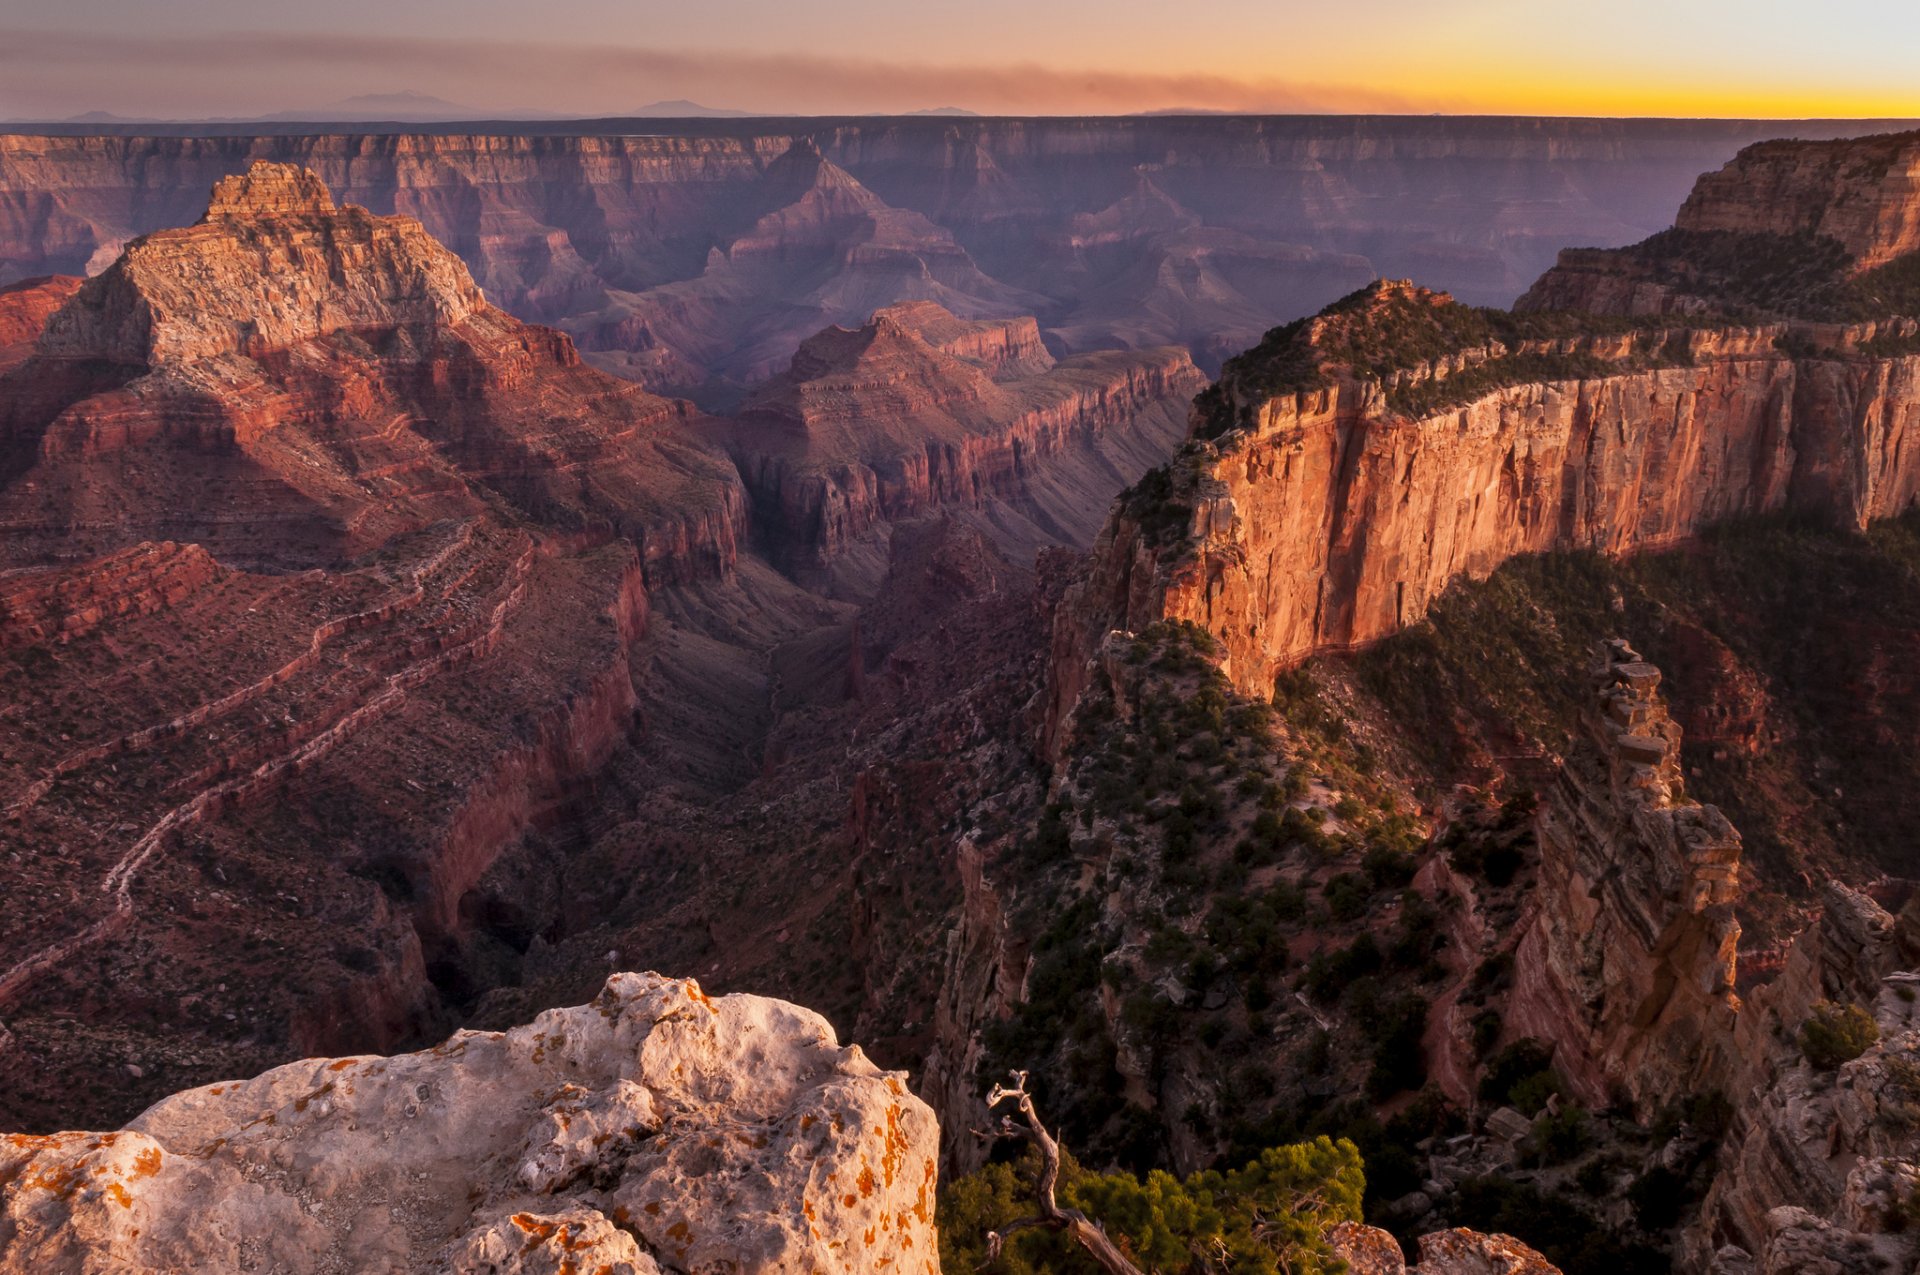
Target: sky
(192, 59)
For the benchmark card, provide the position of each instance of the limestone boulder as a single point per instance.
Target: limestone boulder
(653, 1129)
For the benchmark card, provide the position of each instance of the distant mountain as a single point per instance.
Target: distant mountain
(405, 106)
(680, 108)
(947, 110)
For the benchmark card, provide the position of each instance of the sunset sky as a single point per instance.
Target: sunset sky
(198, 58)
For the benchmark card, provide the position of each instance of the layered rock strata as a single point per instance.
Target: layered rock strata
(654, 1129)
(1201, 232)
(918, 410)
(210, 753)
(1332, 519)
(291, 382)
(1628, 964)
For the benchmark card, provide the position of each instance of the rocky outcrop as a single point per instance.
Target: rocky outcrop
(1628, 964)
(55, 607)
(272, 263)
(1330, 519)
(654, 1129)
(1863, 193)
(1368, 1250)
(324, 379)
(917, 410)
(1783, 226)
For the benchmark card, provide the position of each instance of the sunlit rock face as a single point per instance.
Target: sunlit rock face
(653, 1129)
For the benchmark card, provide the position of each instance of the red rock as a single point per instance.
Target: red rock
(313, 768)
(919, 410)
(24, 309)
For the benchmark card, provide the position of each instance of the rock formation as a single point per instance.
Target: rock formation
(1822, 1164)
(1347, 469)
(918, 410)
(325, 379)
(1135, 232)
(1628, 964)
(654, 1129)
(1368, 1250)
(1863, 193)
(319, 766)
(1785, 228)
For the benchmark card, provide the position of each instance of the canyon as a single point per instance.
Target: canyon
(444, 563)
(1346, 470)
(697, 259)
(382, 665)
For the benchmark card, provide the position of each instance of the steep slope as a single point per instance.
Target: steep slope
(1349, 468)
(917, 410)
(245, 805)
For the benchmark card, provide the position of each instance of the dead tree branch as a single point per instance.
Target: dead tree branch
(1077, 1225)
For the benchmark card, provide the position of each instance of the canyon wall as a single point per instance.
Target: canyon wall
(918, 410)
(1864, 195)
(648, 245)
(1333, 520)
(1628, 963)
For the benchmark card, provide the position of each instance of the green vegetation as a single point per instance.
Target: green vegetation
(1262, 1219)
(1835, 1034)
(1379, 330)
(1155, 506)
(1759, 277)
(1521, 1075)
(1423, 398)
(1771, 626)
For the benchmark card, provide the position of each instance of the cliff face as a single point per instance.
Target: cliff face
(1785, 228)
(652, 1130)
(1863, 193)
(1628, 965)
(1333, 519)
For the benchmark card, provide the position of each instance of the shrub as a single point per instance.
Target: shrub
(1562, 1136)
(1267, 1217)
(1525, 1060)
(1347, 896)
(1389, 867)
(1835, 1034)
